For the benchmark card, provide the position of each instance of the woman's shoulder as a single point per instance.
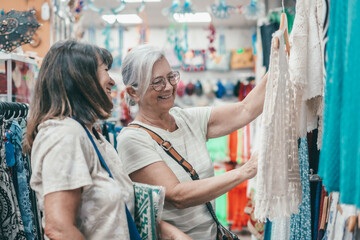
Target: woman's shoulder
(132, 134)
(58, 130)
(190, 114)
(66, 125)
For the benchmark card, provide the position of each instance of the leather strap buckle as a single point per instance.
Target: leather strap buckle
(165, 147)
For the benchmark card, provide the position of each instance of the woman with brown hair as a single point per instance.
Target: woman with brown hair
(78, 178)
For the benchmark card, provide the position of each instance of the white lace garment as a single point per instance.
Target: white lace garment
(306, 64)
(278, 188)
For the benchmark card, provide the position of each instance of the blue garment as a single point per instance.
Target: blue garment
(11, 225)
(267, 232)
(300, 224)
(340, 156)
(33, 200)
(317, 210)
(111, 129)
(21, 183)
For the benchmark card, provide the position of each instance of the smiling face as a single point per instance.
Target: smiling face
(158, 102)
(105, 80)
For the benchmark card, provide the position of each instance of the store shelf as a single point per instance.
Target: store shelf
(16, 57)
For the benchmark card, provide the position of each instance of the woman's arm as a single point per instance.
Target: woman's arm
(60, 212)
(170, 232)
(193, 193)
(227, 118)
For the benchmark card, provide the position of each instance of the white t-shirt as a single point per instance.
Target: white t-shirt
(137, 149)
(63, 158)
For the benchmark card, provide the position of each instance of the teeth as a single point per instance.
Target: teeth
(164, 97)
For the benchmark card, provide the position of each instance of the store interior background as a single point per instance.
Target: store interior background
(87, 24)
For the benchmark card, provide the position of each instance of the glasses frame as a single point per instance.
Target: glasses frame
(163, 82)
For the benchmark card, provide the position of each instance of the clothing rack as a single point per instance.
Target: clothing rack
(16, 196)
(10, 110)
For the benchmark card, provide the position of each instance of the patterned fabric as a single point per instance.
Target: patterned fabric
(33, 200)
(64, 158)
(137, 149)
(278, 190)
(11, 225)
(300, 224)
(21, 182)
(340, 159)
(149, 201)
(255, 227)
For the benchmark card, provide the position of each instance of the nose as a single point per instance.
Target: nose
(112, 82)
(168, 85)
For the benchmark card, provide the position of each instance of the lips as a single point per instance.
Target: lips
(165, 97)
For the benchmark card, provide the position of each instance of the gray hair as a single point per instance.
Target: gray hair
(137, 69)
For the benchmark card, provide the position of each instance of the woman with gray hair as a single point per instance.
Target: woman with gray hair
(151, 83)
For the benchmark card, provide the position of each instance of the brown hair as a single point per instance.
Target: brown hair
(68, 85)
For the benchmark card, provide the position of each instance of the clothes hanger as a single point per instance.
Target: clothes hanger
(314, 177)
(283, 27)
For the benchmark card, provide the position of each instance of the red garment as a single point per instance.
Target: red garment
(245, 144)
(323, 194)
(233, 146)
(237, 201)
(245, 90)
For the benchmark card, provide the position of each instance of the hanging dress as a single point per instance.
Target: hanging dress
(278, 178)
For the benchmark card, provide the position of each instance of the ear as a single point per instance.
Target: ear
(133, 93)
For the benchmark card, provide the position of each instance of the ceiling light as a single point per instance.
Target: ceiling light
(137, 1)
(109, 18)
(122, 18)
(192, 17)
(128, 18)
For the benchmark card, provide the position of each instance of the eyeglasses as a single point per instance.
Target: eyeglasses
(159, 83)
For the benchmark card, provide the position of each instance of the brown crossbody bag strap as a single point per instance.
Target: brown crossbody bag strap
(168, 148)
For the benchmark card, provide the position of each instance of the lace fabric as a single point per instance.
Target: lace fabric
(306, 64)
(278, 179)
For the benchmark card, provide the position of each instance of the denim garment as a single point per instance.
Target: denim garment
(21, 182)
